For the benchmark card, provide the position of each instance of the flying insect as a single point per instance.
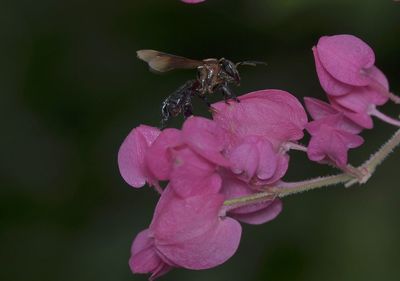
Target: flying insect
(213, 75)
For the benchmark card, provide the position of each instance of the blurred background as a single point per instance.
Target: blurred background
(71, 89)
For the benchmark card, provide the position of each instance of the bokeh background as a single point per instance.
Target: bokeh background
(71, 89)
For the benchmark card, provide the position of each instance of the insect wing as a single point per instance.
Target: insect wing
(163, 62)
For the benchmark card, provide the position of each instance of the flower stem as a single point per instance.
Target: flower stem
(375, 112)
(394, 98)
(284, 189)
(378, 157)
(294, 146)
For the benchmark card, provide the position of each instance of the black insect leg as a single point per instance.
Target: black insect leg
(187, 106)
(228, 94)
(165, 114)
(178, 102)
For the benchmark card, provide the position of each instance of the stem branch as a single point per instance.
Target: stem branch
(375, 112)
(284, 189)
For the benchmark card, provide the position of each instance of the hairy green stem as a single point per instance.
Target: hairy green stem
(285, 189)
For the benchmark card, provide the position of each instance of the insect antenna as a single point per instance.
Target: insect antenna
(250, 63)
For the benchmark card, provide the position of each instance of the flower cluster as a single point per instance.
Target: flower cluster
(240, 153)
(355, 86)
(205, 163)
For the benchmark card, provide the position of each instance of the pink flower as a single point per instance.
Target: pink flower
(332, 134)
(346, 71)
(188, 158)
(131, 156)
(343, 61)
(207, 162)
(256, 130)
(242, 151)
(185, 232)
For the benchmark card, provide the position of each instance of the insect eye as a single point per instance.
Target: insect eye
(229, 68)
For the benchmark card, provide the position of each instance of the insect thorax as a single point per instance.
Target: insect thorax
(208, 76)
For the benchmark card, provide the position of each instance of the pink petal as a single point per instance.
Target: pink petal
(193, 175)
(270, 212)
(245, 158)
(158, 156)
(327, 146)
(360, 99)
(142, 241)
(360, 119)
(189, 233)
(208, 250)
(268, 160)
(351, 140)
(144, 258)
(376, 74)
(345, 124)
(255, 160)
(282, 165)
(178, 219)
(318, 109)
(162, 269)
(232, 187)
(273, 114)
(132, 153)
(330, 144)
(206, 138)
(345, 57)
(328, 83)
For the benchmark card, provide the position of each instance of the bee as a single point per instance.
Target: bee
(213, 75)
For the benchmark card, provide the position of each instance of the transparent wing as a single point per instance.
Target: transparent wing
(163, 62)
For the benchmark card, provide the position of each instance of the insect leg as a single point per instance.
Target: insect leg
(178, 102)
(165, 112)
(228, 94)
(187, 106)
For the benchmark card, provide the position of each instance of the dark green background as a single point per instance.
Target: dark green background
(71, 89)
